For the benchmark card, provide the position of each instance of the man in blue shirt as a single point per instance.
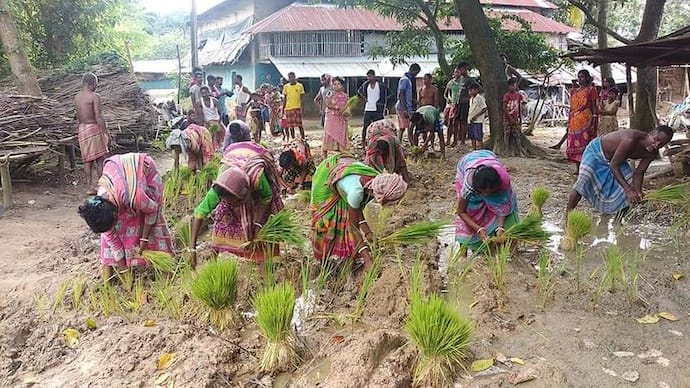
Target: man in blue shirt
(224, 93)
(407, 92)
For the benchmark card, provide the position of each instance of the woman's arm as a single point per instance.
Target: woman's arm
(462, 213)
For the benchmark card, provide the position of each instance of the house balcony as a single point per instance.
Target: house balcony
(311, 49)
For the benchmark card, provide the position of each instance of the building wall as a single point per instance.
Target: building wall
(228, 73)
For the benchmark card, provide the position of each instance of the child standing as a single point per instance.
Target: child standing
(476, 116)
(608, 111)
(511, 113)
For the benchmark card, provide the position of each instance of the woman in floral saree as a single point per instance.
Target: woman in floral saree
(245, 194)
(582, 122)
(487, 204)
(341, 189)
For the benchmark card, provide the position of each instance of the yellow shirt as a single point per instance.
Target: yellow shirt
(293, 95)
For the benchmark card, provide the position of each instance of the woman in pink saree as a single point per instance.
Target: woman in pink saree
(335, 136)
(127, 212)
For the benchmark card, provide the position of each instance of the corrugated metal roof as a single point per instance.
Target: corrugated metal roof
(567, 75)
(320, 17)
(521, 3)
(223, 51)
(313, 67)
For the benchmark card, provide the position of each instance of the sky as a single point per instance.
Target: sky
(169, 6)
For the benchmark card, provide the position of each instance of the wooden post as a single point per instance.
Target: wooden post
(179, 74)
(72, 156)
(6, 183)
(176, 157)
(61, 165)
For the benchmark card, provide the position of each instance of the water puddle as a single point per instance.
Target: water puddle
(314, 377)
(458, 292)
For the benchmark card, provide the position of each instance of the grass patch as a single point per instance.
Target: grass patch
(441, 336)
(274, 308)
(215, 286)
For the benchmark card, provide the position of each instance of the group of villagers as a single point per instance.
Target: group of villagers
(127, 210)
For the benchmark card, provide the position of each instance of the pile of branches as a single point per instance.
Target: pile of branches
(29, 121)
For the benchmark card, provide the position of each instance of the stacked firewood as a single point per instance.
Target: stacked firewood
(28, 121)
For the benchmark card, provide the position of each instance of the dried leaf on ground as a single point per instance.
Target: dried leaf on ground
(480, 365)
(647, 319)
(162, 378)
(517, 360)
(71, 337)
(91, 323)
(149, 323)
(668, 316)
(678, 275)
(166, 360)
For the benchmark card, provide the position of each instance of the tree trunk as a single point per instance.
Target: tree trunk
(16, 55)
(602, 36)
(645, 93)
(440, 39)
(484, 50)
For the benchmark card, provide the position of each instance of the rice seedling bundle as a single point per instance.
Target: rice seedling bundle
(281, 228)
(539, 197)
(441, 336)
(676, 194)
(215, 286)
(528, 231)
(274, 308)
(162, 262)
(351, 103)
(414, 234)
(579, 225)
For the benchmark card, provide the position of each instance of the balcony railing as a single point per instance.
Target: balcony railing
(310, 49)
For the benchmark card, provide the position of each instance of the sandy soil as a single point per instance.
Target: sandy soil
(570, 343)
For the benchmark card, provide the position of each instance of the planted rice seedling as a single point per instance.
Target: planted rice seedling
(183, 234)
(539, 197)
(414, 234)
(59, 297)
(369, 279)
(168, 297)
(109, 300)
(274, 308)
(498, 263)
(78, 286)
(417, 281)
(137, 297)
(546, 278)
(326, 269)
(215, 286)
(441, 336)
(620, 269)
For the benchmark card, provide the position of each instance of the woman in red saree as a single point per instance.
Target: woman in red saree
(583, 117)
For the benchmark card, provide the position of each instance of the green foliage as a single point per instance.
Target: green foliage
(58, 33)
(441, 336)
(274, 308)
(524, 48)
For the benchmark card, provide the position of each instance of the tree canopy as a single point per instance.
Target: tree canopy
(57, 33)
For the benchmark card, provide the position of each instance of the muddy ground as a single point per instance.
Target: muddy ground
(570, 343)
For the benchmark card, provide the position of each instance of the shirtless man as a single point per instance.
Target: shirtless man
(606, 179)
(428, 94)
(92, 133)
